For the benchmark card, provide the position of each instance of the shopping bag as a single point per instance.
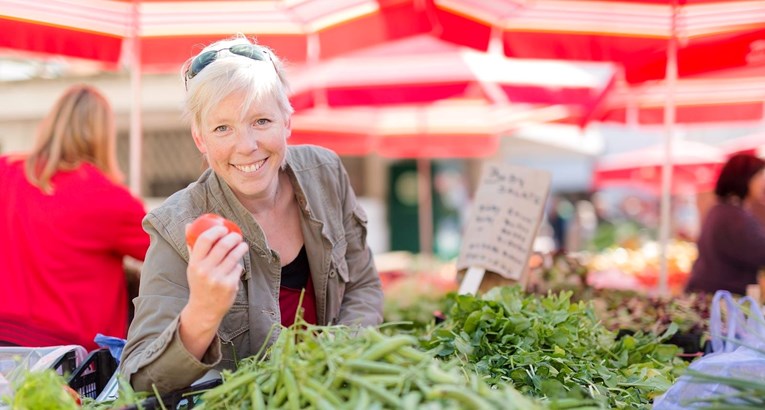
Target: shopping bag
(737, 330)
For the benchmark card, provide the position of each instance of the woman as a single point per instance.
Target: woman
(732, 242)
(206, 307)
(66, 222)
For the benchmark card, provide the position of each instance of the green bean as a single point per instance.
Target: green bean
(293, 399)
(327, 393)
(256, 399)
(461, 395)
(315, 398)
(363, 400)
(411, 400)
(278, 398)
(270, 384)
(353, 398)
(367, 366)
(383, 379)
(413, 354)
(381, 349)
(437, 375)
(379, 392)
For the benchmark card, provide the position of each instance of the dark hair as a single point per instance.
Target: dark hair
(735, 175)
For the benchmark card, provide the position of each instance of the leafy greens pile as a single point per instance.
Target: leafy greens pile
(547, 346)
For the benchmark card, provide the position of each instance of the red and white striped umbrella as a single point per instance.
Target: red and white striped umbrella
(749, 144)
(455, 128)
(695, 168)
(173, 30)
(712, 34)
(423, 69)
(725, 96)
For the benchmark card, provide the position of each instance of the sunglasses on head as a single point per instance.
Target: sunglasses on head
(201, 61)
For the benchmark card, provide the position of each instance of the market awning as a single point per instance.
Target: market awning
(725, 96)
(172, 31)
(445, 129)
(695, 167)
(422, 69)
(713, 34)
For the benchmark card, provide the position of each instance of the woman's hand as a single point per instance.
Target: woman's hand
(213, 274)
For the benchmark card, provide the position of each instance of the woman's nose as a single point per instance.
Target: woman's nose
(248, 140)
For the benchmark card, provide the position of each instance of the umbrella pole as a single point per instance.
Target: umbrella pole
(666, 175)
(135, 105)
(425, 206)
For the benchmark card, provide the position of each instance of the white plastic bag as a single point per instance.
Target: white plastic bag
(737, 351)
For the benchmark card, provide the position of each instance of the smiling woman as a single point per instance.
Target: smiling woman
(303, 233)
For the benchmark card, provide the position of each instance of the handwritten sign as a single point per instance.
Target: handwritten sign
(504, 219)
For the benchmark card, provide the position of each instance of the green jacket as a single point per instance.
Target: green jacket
(347, 285)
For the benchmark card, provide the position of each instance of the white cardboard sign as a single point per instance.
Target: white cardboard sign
(503, 223)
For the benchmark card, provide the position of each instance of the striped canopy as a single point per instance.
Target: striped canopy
(712, 34)
(422, 69)
(173, 30)
(452, 128)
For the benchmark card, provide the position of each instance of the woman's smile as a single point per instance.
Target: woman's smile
(250, 168)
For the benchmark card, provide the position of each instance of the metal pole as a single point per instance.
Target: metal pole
(135, 103)
(666, 174)
(424, 206)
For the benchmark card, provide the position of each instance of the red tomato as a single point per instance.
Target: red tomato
(205, 222)
(72, 392)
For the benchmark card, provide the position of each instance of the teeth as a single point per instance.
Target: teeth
(252, 167)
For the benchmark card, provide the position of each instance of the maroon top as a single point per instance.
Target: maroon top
(296, 276)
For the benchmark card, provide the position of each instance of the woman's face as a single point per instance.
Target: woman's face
(246, 151)
(757, 187)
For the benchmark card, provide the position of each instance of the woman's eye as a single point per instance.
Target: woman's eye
(262, 121)
(221, 128)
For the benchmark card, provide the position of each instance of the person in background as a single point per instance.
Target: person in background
(206, 307)
(561, 216)
(731, 245)
(66, 222)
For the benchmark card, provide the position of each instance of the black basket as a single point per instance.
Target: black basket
(66, 364)
(178, 400)
(93, 374)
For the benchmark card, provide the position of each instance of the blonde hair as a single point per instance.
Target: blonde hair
(79, 128)
(230, 73)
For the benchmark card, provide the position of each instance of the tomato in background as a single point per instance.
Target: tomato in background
(75, 396)
(205, 222)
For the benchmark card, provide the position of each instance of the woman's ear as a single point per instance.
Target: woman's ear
(288, 126)
(198, 140)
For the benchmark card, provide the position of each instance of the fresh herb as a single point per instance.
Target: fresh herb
(547, 346)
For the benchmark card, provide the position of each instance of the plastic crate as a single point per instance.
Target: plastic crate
(90, 378)
(63, 359)
(65, 364)
(178, 400)
(15, 360)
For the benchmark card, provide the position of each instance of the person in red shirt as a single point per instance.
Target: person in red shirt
(66, 223)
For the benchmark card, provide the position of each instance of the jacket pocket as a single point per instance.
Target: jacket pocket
(360, 216)
(338, 270)
(233, 333)
(339, 276)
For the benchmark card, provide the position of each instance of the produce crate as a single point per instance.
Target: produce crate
(63, 359)
(65, 364)
(179, 400)
(93, 374)
(14, 361)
